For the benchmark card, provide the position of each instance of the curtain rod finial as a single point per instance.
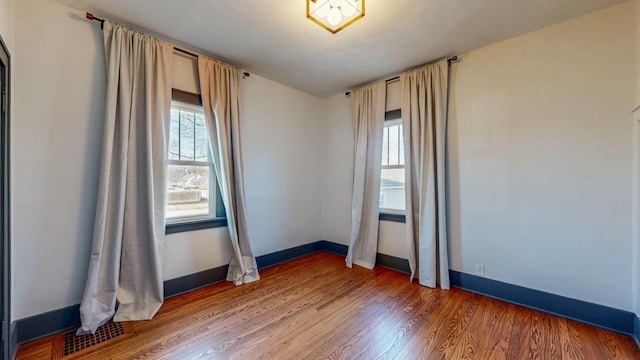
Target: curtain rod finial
(91, 17)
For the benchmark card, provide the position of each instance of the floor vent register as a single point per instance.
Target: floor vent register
(108, 331)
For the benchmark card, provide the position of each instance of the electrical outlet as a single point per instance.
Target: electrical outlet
(480, 269)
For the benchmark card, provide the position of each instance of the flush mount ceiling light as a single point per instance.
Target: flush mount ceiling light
(335, 15)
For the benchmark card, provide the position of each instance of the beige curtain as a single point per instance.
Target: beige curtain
(424, 115)
(220, 88)
(128, 240)
(368, 119)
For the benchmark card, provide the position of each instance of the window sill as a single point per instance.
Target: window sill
(183, 226)
(392, 217)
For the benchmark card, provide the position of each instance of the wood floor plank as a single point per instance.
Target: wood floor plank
(356, 324)
(315, 308)
(431, 335)
(374, 331)
(367, 305)
(224, 312)
(285, 307)
(551, 338)
(472, 343)
(518, 341)
(588, 338)
(455, 324)
(499, 324)
(616, 349)
(39, 349)
(291, 311)
(360, 305)
(412, 320)
(570, 344)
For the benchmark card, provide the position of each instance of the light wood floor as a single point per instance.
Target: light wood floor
(315, 308)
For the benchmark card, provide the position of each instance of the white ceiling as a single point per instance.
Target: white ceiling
(274, 38)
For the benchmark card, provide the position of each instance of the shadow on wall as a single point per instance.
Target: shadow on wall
(92, 159)
(454, 228)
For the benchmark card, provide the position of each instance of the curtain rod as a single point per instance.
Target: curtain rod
(90, 16)
(449, 61)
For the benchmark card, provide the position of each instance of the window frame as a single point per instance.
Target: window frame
(385, 213)
(219, 219)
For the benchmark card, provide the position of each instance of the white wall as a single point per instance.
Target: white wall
(57, 126)
(58, 119)
(193, 251)
(7, 14)
(337, 169)
(282, 149)
(539, 159)
(392, 239)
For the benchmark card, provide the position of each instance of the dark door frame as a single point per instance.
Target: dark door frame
(5, 242)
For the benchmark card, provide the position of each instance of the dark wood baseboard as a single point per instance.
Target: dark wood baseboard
(285, 255)
(393, 263)
(184, 284)
(49, 323)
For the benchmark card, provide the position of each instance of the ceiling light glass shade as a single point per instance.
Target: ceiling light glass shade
(335, 15)
(322, 8)
(348, 8)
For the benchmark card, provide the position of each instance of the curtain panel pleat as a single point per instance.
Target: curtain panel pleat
(424, 116)
(220, 88)
(125, 278)
(368, 105)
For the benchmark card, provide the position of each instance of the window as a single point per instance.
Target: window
(392, 197)
(191, 185)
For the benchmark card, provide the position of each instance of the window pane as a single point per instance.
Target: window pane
(392, 189)
(385, 146)
(393, 144)
(174, 133)
(191, 181)
(188, 191)
(201, 139)
(187, 129)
